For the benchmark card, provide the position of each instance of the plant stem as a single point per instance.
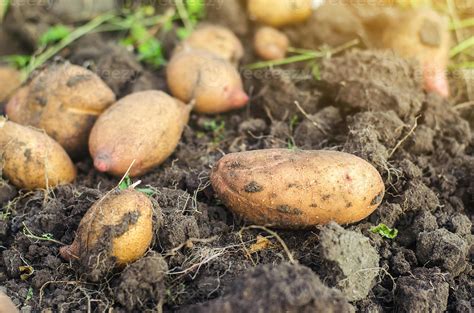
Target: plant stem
(183, 14)
(39, 60)
(463, 45)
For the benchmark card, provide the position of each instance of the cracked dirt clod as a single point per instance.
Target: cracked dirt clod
(282, 288)
(425, 291)
(349, 261)
(442, 248)
(142, 284)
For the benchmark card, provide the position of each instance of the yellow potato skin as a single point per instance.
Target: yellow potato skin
(111, 211)
(270, 43)
(31, 159)
(64, 100)
(297, 189)
(10, 80)
(217, 40)
(211, 81)
(144, 126)
(279, 13)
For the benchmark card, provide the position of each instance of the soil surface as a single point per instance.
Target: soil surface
(205, 259)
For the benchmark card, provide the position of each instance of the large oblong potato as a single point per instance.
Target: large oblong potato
(144, 127)
(30, 159)
(297, 189)
(278, 13)
(120, 226)
(64, 100)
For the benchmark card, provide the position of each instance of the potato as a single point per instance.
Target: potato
(118, 227)
(421, 34)
(217, 40)
(144, 126)
(6, 304)
(10, 81)
(297, 189)
(211, 81)
(270, 44)
(31, 159)
(279, 12)
(64, 100)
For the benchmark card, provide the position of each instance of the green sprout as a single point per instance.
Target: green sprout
(190, 12)
(384, 231)
(148, 48)
(44, 237)
(217, 128)
(54, 34)
(127, 182)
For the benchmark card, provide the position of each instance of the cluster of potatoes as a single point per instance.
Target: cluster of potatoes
(66, 110)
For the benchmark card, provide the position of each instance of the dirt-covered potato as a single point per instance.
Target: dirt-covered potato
(30, 159)
(279, 12)
(215, 39)
(297, 189)
(211, 81)
(144, 128)
(270, 43)
(10, 81)
(117, 228)
(64, 100)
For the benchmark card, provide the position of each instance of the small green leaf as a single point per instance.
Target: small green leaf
(29, 295)
(17, 61)
(147, 191)
(126, 182)
(151, 52)
(195, 8)
(384, 231)
(139, 33)
(182, 33)
(54, 34)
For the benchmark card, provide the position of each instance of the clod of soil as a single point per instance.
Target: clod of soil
(444, 249)
(282, 288)
(349, 261)
(425, 290)
(141, 285)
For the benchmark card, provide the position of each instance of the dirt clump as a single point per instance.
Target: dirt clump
(426, 290)
(141, 285)
(444, 249)
(349, 261)
(281, 288)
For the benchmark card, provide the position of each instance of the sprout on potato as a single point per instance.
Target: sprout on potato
(297, 189)
(270, 43)
(64, 100)
(211, 81)
(115, 231)
(30, 159)
(143, 128)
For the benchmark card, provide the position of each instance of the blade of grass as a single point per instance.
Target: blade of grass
(40, 59)
(462, 46)
(4, 5)
(306, 56)
(469, 22)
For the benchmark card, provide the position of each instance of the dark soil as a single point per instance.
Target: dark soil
(205, 259)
